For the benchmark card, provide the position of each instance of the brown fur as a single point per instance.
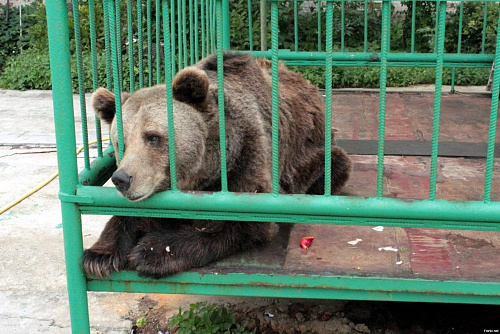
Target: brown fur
(160, 247)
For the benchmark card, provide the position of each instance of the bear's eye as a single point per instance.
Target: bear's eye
(153, 140)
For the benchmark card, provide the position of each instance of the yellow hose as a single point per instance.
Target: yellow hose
(43, 184)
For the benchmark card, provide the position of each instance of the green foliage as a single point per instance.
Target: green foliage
(472, 28)
(29, 70)
(425, 22)
(206, 319)
(141, 322)
(25, 62)
(307, 21)
(12, 42)
(369, 77)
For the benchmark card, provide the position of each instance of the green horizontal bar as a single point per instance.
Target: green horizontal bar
(379, 1)
(375, 57)
(279, 218)
(100, 169)
(290, 205)
(389, 64)
(305, 286)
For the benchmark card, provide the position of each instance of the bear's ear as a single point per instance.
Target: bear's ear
(190, 85)
(103, 102)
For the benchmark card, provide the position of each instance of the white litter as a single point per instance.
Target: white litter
(388, 248)
(167, 249)
(354, 242)
(399, 262)
(267, 314)
(378, 228)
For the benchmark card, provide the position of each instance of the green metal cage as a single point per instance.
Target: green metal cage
(163, 37)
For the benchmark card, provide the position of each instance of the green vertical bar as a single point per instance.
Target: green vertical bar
(250, 24)
(118, 33)
(172, 36)
(485, 21)
(140, 43)
(437, 97)
(436, 28)
(150, 42)
(275, 96)
(130, 46)
(158, 41)
(319, 9)
(460, 24)
(179, 35)
(386, 12)
(263, 25)
(389, 36)
(196, 29)
(225, 25)
(203, 26)
(209, 26)
(107, 45)
(493, 120)
(342, 26)
(328, 98)
(213, 25)
(116, 78)
(452, 89)
(57, 26)
(207, 23)
(169, 96)
(459, 46)
(93, 45)
(365, 33)
(296, 24)
(81, 83)
(95, 73)
(184, 32)
(413, 12)
(191, 34)
(220, 86)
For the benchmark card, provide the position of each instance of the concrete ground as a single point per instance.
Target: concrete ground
(32, 271)
(33, 293)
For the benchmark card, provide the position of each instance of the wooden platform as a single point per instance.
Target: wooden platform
(417, 253)
(396, 264)
(393, 252)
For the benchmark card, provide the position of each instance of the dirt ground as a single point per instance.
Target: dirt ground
(275, 316)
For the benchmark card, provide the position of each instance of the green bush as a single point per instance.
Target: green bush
(12, 42)
(205, 319)
(368, 77)
(307, 23)
(31, 70)
(27, 67)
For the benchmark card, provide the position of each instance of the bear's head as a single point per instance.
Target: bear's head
(144, 167)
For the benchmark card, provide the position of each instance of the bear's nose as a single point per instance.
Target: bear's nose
(121, 180)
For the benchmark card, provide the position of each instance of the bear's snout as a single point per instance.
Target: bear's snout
(121, 180)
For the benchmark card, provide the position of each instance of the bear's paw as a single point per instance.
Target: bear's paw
(101, 265)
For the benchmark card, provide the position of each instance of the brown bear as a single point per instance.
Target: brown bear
(159, 247)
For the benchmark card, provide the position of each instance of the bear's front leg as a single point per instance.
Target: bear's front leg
(162, 253)
(117, 239)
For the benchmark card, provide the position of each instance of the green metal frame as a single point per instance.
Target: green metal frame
(81, 192)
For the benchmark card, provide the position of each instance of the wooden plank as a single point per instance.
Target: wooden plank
(417, 148)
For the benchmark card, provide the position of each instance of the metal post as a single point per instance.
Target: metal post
(263, 26)
(226, 43)
(57, 23)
